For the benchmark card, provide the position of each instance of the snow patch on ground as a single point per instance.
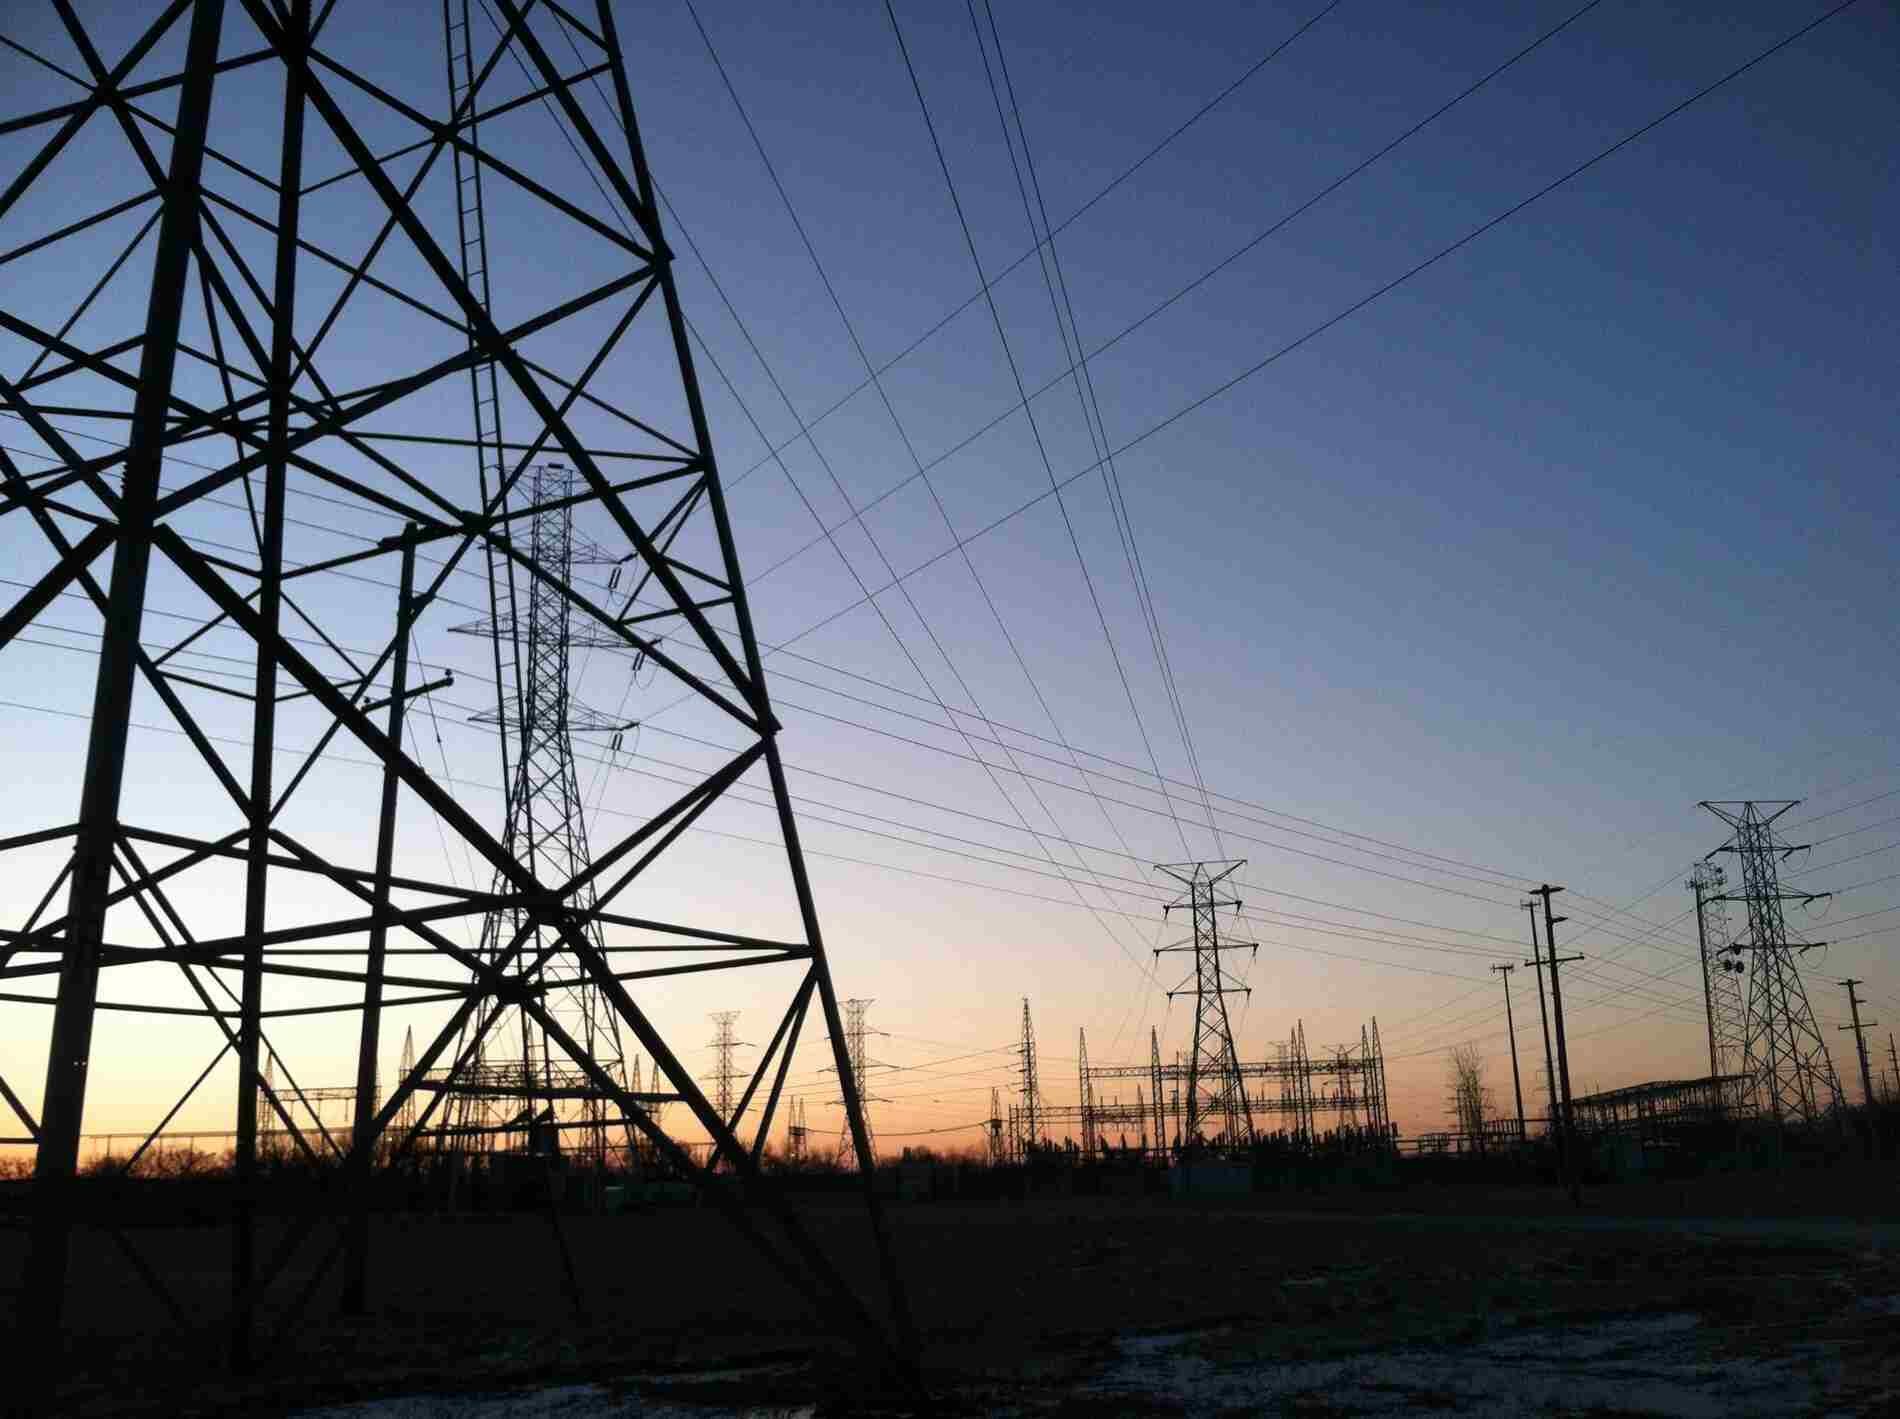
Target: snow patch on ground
(589, 1401)
(1652, 1365)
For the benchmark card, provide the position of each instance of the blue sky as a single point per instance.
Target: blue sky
(1586, 522)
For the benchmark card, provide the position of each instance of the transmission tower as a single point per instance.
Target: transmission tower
(725, 1073)
(518, 1091)
(1029, 1117)
(1722, 970)
(1783, 1051)
(998, 1140)
(234, 390)
(848, 1153)
(797, 1132)
(1215, 1089)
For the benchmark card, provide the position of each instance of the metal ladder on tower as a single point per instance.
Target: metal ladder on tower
(484, 391)
(472, 231)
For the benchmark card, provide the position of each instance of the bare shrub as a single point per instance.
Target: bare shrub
(1469, 1100)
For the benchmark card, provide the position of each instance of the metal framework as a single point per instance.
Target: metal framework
(240, 436)
(1662, 1111)
(1341, 1091)
(1783, 1050)
(1214, 1089)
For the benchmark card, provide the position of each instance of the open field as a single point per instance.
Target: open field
(1779, 1294)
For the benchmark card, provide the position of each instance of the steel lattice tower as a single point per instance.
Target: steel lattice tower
(1783, 1051)
(235, 387)
(1215, 1090)
(797, 1134)
(725, 1073)
(849, 1153)
(1030, 1116)
(1722, 971)
(518, 1091)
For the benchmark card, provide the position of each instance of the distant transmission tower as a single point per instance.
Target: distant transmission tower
(797, 1134)
(1783, 1051)
(1215, 1091)
(1722, 971)
(725, 1072)
(998, 1140)
(519, 1091)
(860, 1068)
(1029, 1119)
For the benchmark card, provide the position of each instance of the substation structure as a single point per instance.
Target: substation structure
(1301, 1094)
(1207, 1097)
(289, 405)
(1666, 1111)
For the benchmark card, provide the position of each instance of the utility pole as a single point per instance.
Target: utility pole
(1557, 996)
(1563, 1053)
(1543, 1018)
(1510, 1022)
(1860, 1041)
(1722, 1001)
(1893, 1058)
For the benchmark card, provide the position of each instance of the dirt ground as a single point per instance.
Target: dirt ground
(1675, 1299)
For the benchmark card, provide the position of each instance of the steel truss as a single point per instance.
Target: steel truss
(1783, 1050)
(1667, 1109)
(281, 312)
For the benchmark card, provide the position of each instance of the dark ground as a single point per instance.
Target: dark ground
(1015, 1301)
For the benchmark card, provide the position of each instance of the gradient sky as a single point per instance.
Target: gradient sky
(1486, 584)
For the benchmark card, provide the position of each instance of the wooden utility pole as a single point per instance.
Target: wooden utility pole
(1563, 1054)
(1860, 1042)
(1543, 1018)
(1517, 1085)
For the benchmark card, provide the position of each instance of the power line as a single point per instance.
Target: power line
(1079, 374)
(1313, 332)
